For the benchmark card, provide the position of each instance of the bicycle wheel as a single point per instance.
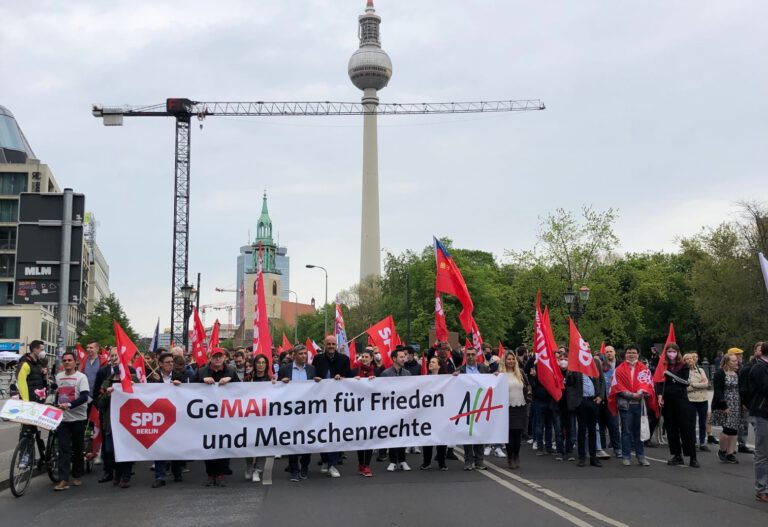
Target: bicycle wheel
(52, 456)
(22, 466)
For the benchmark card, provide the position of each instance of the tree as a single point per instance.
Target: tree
(101, 326)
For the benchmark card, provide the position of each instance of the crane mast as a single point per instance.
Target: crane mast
(183, 110)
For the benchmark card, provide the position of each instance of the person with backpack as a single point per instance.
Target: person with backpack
(755, 396)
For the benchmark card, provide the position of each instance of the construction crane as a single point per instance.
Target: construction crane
(228, 306)
(183, 110)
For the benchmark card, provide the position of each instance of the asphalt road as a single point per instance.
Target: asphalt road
(542, 492)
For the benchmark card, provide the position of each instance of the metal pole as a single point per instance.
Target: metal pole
(407, 307)
(66, 249)
(185, 334)
(325, 309)
(197, 295)
(296, 317)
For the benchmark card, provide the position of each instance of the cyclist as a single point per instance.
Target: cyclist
(32, 383)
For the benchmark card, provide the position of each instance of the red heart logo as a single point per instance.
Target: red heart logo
(147, 423)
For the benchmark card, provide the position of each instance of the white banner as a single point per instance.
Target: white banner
(31, 413)
(200, 421)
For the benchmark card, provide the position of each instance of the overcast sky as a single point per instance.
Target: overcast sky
(657, 108)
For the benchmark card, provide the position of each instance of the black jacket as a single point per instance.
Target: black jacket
(287, 371)
(671, 389)
(326, 367)
(175, 376)
(718, 385)
(482, 368)
(413, 366)
(205, 371)
(758, 382)
(574, 390)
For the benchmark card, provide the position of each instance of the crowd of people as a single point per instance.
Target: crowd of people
(618, 409)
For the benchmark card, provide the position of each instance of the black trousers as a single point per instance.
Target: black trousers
(397, 455)
(427, 455)
(679, 427)
(586, 416)
(513, 446)
(71, 445)
(364, 457)
(295, 459)
(216, 467)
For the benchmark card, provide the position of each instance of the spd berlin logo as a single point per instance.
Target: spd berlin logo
(147, 423)
(472, 412)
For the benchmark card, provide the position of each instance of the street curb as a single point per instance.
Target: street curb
(6, 483)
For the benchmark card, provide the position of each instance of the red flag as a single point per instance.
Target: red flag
(383, 336)
(198, 339)
(467, 345)
(310, 350)
(81, 356)
(477, 342)
(352, 353)
(579, 355)
(545, 362)
(140, 367)
(103, 357)
(441, 328)
(623, 381)
(448, 280)
(93, 417)
(125, 351)
(424, 364)
(661, 367)
(262, 340)
(213, 342)
(286, 345)
(501, 352)
(551, 345)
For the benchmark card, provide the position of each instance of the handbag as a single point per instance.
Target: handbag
(645, 427)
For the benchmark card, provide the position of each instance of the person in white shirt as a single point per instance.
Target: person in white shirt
(72, 397)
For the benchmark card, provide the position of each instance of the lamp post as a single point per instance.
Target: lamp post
(325, 307)
(577, 302)
(187, 293)
(295, 317)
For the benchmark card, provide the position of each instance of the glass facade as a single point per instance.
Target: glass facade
(10, 327)
(7, 238)
(9, 210)
(13, 183)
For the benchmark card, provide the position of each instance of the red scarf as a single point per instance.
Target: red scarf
(366, 371)
(624, 381)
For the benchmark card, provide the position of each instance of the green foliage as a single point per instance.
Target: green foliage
(101, 328)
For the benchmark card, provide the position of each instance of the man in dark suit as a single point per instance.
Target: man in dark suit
(584, 396)
(298, 370)
(473, 454)
(166, 374)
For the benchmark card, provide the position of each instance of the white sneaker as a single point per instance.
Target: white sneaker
(602, 454)
(499, 452)
(324, 468)
(535, 446)
(487, 451)
(97, 460)
(417, 450)
(404, 467)
(255, 476)
(334, 472)
(248, 474)
(530, 441)
(392, 467)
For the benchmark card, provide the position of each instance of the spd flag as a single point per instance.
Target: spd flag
(383, 336)
(579, 355)
(661, 367)
(126, 350)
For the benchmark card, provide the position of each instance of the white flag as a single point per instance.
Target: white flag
(764, 267)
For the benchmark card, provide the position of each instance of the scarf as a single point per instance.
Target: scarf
(624, 381)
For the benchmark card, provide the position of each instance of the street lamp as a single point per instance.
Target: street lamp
(325, 307)
(295, 317)
(187, 293)
(577, 302)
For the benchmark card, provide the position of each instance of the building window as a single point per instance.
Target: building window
(6, 265)
(10, 327)
(9, 210)
(8, 238)
(13, 183)
(274, 288)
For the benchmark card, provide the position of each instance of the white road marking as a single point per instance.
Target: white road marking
(266, 476)
(663, 461)
(551, 494)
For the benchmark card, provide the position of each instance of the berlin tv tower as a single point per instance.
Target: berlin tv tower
(370, 70)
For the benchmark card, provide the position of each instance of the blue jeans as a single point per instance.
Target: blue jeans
(542, 424)
(630, 431)
(160, 472)
(761, 454)
(330, 458)
(698, 411)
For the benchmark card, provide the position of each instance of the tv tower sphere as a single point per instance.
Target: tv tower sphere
(369, 66)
